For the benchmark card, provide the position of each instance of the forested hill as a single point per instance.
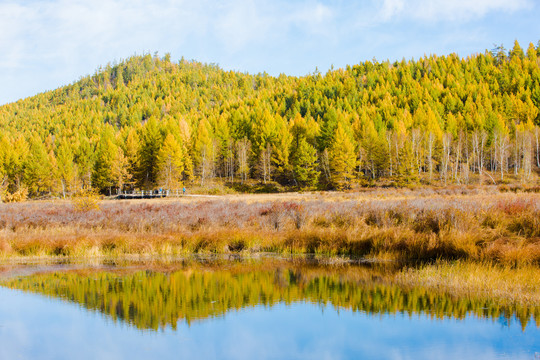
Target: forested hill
(150, 122)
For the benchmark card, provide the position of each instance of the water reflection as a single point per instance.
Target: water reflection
(164, 295)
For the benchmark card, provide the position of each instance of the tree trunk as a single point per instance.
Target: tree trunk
(431, 140)
(537, 136)
(63, 189)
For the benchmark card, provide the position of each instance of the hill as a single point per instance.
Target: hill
(149, 122)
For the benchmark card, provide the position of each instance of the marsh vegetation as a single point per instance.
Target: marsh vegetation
(477, 224)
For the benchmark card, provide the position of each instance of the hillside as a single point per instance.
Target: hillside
(149, 122)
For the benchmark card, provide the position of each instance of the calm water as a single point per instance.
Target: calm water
(257, 309)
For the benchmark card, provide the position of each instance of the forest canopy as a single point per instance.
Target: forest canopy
(147, 122)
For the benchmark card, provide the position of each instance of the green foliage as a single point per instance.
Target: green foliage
(304, 164)
(281, 150)
(38, 168)
(150, 143)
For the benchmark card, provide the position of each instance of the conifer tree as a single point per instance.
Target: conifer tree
(104, 176)
(84, 158)
(170, 164)
(517, 51)
(224, 144)
(4, 179)
(328, 129)
(405, 171)
(374, 150)
(150, 142)
(281, 150)
(38, 170)
(204, 151)
(304, 164)
(119, 170)
(531, 53)
(67, 171)
(16, 159)
(130, 144)
(243, 149)
(342, 158)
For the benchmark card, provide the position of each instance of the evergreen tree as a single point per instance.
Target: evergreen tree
(304, 164)
(328, 129)
(67, 171)
(405, 171)
(204, 151)
(517, 51)
(84, 159)
(130, 146)
(342, 158)
(38, 170)
(103, 175)
(281, 150)
(151, 139)
(170, 164)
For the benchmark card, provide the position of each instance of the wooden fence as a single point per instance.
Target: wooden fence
(150, 194)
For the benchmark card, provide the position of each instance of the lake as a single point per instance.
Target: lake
(264, 308)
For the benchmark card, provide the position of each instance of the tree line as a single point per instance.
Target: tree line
(148, 122)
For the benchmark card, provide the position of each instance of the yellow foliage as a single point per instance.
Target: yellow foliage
(18, 196)
(85, 200)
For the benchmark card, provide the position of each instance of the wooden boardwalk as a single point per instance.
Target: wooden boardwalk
(150, 194)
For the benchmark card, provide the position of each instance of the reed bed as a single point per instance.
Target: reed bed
(507, 285)
(479, 224)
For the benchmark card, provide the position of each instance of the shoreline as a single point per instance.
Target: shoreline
(512, 290)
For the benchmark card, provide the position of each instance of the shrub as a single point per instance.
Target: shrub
(298, 214)
(515, 206)
(85, 200)
(18, 196)
(276, 214)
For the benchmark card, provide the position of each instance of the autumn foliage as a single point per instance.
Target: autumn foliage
(147, 123)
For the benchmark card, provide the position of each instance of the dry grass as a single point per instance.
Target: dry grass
(480, 224)
(507, 285)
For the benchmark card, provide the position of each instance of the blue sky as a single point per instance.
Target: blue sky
(49, 43)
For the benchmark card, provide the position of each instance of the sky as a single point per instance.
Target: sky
(46, 44)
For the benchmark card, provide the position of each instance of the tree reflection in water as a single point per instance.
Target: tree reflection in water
(164, 295)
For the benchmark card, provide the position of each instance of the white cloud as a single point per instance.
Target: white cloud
(45, 44)
(69, 29)
(311, 16)
(391, 8)
(448, 10)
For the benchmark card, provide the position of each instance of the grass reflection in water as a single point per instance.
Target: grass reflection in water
(166, 295)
